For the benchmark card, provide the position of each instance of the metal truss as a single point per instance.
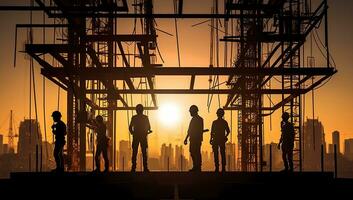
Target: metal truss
(87, 65)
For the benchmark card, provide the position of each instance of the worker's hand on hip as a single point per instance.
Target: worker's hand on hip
(185, 141)
(279, 146)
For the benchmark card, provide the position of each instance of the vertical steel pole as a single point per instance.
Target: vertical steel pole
(322, 158)
(335, 159)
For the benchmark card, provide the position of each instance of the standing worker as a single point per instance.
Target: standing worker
(59, 130)
(139, 128)
(195, 132)
(102, 144)
(287, 142)
(219, 136)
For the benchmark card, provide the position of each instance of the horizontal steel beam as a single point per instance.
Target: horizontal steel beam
(201, 91)
(161, 15)
(121, 73)
(127, 108)
(120, 37)
(70, 9)
(42, 25)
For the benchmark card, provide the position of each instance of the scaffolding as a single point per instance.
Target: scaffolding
(91, 46)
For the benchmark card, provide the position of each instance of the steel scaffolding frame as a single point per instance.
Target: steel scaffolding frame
(89, 72)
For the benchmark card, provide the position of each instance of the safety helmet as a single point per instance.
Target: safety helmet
(220, 112)
(285, 116)
(56, 114)
(194, 108)
(139, 108)
(99, 118)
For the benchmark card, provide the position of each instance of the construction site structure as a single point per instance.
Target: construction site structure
(268, 66)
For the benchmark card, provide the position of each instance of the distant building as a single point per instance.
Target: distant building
(29, 138)
(5, 148)
(336, 140)
(348, 149)
(230, 156)
(179, 156)
(277, 163)
(166, 159)
(314, 137)
(48, 158)
(330, 148)
(89, 162)
(153, 163)
(1, 144)
(124, 161)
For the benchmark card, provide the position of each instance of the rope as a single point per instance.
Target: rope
(312, 93)
(44, 99)
(209, 96)
(29, 34)
(176, 31)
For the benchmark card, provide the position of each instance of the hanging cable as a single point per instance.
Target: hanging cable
(176, 31)
(209, 96)
(29, 37)
(217, 52)
(44, 99)
(312, 93)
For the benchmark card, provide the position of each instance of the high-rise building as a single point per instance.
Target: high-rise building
(153, 163)
(167, 158)
(277, 163)
(207, 160)
(336, 140)
(1, 144)
(314, 137)
(179, 157)
(230, 156)
(348, 149)
(330, 148)
(124, 155)
(30, 138)
(5, 148)
(48, 158)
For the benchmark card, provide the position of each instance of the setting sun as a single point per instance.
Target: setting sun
(169, 114)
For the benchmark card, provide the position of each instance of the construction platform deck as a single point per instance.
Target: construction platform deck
(176, 185)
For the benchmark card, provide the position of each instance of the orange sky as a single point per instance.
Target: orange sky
(333, 102)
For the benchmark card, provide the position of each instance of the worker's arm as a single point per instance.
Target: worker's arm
(212, 132)
(187, 136)
(186, 139)
(280, 139)
(131, 126)
(227, 129)
(280, 142)
(149, 126)
(65, 129)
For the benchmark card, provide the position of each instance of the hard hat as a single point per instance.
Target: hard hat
(139, 108)
(99, 118)
(220, 111)
(285, 115)
(193, 108)
(56, 114)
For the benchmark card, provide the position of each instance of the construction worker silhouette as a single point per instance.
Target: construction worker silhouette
(287, 142)
(219, 136)
(59, 131)
(102, 144)
(195, 133)
(139, 128)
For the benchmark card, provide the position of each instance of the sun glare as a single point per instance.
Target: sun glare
(169, 114)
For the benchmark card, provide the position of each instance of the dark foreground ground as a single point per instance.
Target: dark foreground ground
(176, 185)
